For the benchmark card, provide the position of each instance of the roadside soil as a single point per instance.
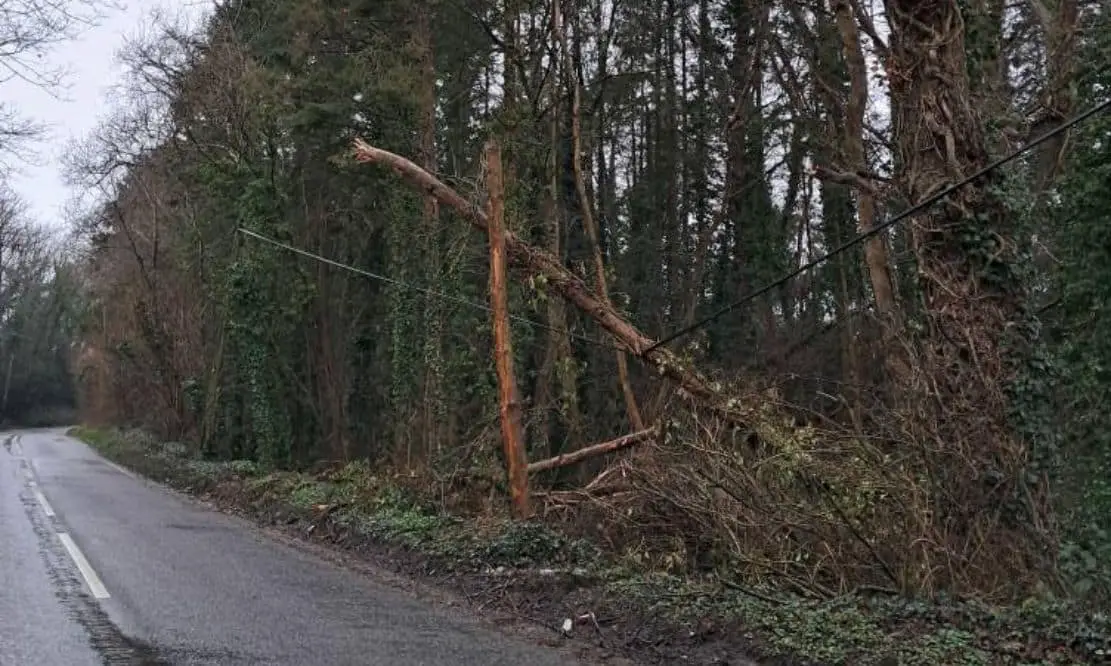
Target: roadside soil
(532, 603)
(636, 620)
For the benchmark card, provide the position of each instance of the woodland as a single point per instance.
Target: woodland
(280, 256)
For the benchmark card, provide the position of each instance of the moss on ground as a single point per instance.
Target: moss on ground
(849, 630)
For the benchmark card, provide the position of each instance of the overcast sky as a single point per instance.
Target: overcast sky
(91, 61)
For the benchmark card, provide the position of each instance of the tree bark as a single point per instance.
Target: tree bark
(509, 404)
(558, 368)
(433, 406)
(964, 246)
(565, 283)
(875, 250)
(959, 397)
(940, 140)
(589, 223)
(593, 451)
(1059, 22)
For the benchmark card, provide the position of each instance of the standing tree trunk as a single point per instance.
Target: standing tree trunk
(509, 404)
(589, 223)
(1059, 22)
(433, 405)
(558, 380)
(973, 297)
(875, 251)
(968, 287)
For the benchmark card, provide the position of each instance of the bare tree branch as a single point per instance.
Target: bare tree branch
(29, 31)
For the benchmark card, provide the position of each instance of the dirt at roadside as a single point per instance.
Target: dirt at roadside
(616, 615)
(534, 603)
(606, 629)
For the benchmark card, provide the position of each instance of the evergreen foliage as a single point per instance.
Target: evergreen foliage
(717, 145)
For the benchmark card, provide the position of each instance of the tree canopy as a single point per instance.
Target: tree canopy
(914, 407)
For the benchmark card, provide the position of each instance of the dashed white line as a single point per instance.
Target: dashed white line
(91, 579)
(42, 501)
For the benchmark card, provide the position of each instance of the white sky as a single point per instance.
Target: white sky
(91, 61)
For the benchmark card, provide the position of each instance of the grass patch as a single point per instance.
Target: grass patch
(169, 462)
(101, 440)
(855, 629)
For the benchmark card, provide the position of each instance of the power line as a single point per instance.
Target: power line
(411, 287)
(929, 201)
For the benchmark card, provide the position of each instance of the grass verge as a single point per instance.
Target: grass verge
(615, 606)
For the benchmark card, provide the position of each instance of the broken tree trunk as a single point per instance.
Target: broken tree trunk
(592, 451)
(564, 282)
(508, 405)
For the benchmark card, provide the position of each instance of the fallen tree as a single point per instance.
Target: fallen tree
(537, 262)
(592, 451)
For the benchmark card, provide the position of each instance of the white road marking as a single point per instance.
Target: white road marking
(87, 572)
(42, 500)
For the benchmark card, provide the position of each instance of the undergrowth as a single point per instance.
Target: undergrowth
(854, 628)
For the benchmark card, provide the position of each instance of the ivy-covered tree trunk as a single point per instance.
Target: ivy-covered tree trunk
(976, 325)
(433, 408)
(674, 154)
(1078, 315)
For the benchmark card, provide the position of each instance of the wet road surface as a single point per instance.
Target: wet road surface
(100, 567)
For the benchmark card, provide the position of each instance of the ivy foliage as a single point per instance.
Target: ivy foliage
(1082, 318)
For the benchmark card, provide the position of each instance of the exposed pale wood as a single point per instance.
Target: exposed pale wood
(535, 261)
(593, 451)
(509, 406)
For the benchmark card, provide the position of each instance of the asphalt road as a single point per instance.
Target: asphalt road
(100, 567)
